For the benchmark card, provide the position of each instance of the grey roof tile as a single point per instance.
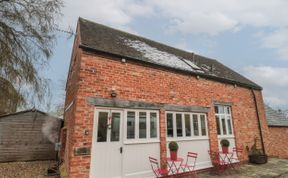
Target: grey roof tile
(105, 39)
(275, 118)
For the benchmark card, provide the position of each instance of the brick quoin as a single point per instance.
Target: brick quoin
(94, 75)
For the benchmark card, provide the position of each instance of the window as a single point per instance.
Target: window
(223, 120)
(153, 125)
(179, 125)
(130, 125)
(170, 125)
(203, 125)
(185, 125)
(141, 125)
(195, 125)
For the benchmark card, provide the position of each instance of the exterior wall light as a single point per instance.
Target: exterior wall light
(113, 93)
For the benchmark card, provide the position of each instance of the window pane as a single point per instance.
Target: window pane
(218, 125)
(216, 109)
(142, 125)
(195, 125)
(153, 125)
(130, 125)
(223, 125)
(203, 125)
(115, 127)
(179, 125)
(221, 109)
(187, 125)
(227, 109)
(169, 118)
(102, 127)
(229, 126)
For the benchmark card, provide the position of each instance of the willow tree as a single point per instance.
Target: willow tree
(27, 35)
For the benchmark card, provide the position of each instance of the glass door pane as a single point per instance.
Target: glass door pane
(115, 127)
(102, 127)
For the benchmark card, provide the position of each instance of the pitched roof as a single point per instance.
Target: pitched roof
(97, 37)
(25, 111)
(275, 118)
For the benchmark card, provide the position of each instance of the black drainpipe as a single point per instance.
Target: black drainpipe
(258, 118)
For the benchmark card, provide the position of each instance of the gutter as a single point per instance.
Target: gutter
(259, 123)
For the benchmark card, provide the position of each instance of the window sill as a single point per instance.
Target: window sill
(187, 139)
(225, 136)
(130, 142)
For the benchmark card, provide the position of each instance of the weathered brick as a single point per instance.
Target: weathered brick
(96, 75)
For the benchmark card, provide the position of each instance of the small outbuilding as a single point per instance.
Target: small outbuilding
(278, 131)
(28, 136)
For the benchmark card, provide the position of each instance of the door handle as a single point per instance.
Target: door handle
(121, 149)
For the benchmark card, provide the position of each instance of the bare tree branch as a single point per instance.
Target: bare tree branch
(27, 35)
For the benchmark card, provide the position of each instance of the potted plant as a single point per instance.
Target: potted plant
(225, 145)
(256, 156)
(173, 147)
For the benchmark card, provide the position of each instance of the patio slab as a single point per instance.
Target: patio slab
(274, 168)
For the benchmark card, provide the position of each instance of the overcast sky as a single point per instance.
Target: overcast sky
(248, 36)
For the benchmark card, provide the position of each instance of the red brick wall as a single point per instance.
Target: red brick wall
(139, 82)
(278, 142)
(70, 103)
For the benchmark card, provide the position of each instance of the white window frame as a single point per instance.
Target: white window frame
(184, 137)
(137, 139)
(226, 117)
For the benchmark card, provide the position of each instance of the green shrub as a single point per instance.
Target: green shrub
(225, 143)
(173, 146)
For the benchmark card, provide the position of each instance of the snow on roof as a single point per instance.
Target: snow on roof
(161, 57)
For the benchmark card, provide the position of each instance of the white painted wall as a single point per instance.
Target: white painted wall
(231, 139)
(135, 159)
(200, 146)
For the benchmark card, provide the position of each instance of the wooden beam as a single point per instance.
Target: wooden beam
(117, 103)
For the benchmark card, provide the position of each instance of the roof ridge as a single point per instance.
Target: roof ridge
(25, 111)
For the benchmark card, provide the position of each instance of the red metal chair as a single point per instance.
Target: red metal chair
(218, 164)
(156, 169)
(237, 156)
(190, 163)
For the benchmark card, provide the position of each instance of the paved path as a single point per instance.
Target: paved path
(275, 168)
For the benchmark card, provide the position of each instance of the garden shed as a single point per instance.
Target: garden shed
(28, 136)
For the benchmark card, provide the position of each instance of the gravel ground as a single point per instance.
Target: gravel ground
(33, 169)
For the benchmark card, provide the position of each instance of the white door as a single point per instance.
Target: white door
(106, 156)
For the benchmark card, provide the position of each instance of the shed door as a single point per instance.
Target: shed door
(107, 144)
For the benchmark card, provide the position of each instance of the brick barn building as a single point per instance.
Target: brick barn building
(128, 97)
